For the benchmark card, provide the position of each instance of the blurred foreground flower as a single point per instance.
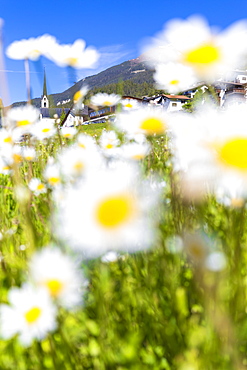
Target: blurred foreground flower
(110, 210)
(193, 43)
(59, 275)
(105, 100)
(36, 186)
(30, 314)
(196, 246)
(79, 96)
(174, 77)
(148, 121)
(109, 143)
(31, 48)
(128, 104)
(22, 118)
(75, 162)
(43, 129)
(210, 152)
(68, 132)
(74, 55)
(135, 151)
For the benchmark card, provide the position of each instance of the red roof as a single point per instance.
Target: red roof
(176, 97)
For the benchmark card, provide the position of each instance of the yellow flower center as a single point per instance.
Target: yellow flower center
(17, 158)
(138, 156)
(237, 202)
(128, 105)
(28, 158)
(24, 122)
(46, 130)
(196, 251)
(54, 286)
(153, 125)
(40, 187)
(114, 210)
(8, 140)
(32, 315)
(35, 52)
(78, 166)
(82, 145)
(67, 135)
(174, 82)
(203, 55)
(54, 180)
(78, 95)
(72, 61)
(109, 146)
(234, 153)
(107, 103)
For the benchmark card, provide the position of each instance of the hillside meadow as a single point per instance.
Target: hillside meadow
(124, 245)
(160, 308)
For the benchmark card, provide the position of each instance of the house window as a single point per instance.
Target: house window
(244, 78)
(174, 104)
(44, 104)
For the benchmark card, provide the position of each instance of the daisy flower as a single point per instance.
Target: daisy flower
(193, 43)
(135, 151)
(75, 55)
(52, 174)
(28, 153)
(105, 100)
(68, 132)
(216, 261)
(5, 167)
(31, 48)
(148, 121)
(36, 186)
(210, 150)
(75, 162)
(233, 193)
(108, 142)
(174, 77)
(22, 118)
(196, 246)
(128, 104)
(6, 138)
(86, 142)
(109, 211)
(59, 275)
(79, 96)
(43, 129)
(30, 314)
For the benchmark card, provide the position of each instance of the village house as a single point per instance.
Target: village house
(171, 103)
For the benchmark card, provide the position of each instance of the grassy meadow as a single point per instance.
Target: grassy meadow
(155, 309)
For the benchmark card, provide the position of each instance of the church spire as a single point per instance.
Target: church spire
(44, 85)
(44, 98)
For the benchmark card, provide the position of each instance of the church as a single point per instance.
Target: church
(70, 116)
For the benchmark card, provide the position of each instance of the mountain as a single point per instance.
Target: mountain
(134, 70)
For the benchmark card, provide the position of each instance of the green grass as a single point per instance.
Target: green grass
(149, 310)
(94, 129)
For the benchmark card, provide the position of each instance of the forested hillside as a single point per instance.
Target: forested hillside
(128, 78)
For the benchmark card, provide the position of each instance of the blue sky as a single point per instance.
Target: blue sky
(116, 28)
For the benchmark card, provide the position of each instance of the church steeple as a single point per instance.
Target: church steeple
(44, 100)
(44, 85)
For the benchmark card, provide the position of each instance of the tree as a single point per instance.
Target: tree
(201, 97)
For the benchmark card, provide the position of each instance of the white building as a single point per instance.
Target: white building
(171, 103)
(71, 117)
